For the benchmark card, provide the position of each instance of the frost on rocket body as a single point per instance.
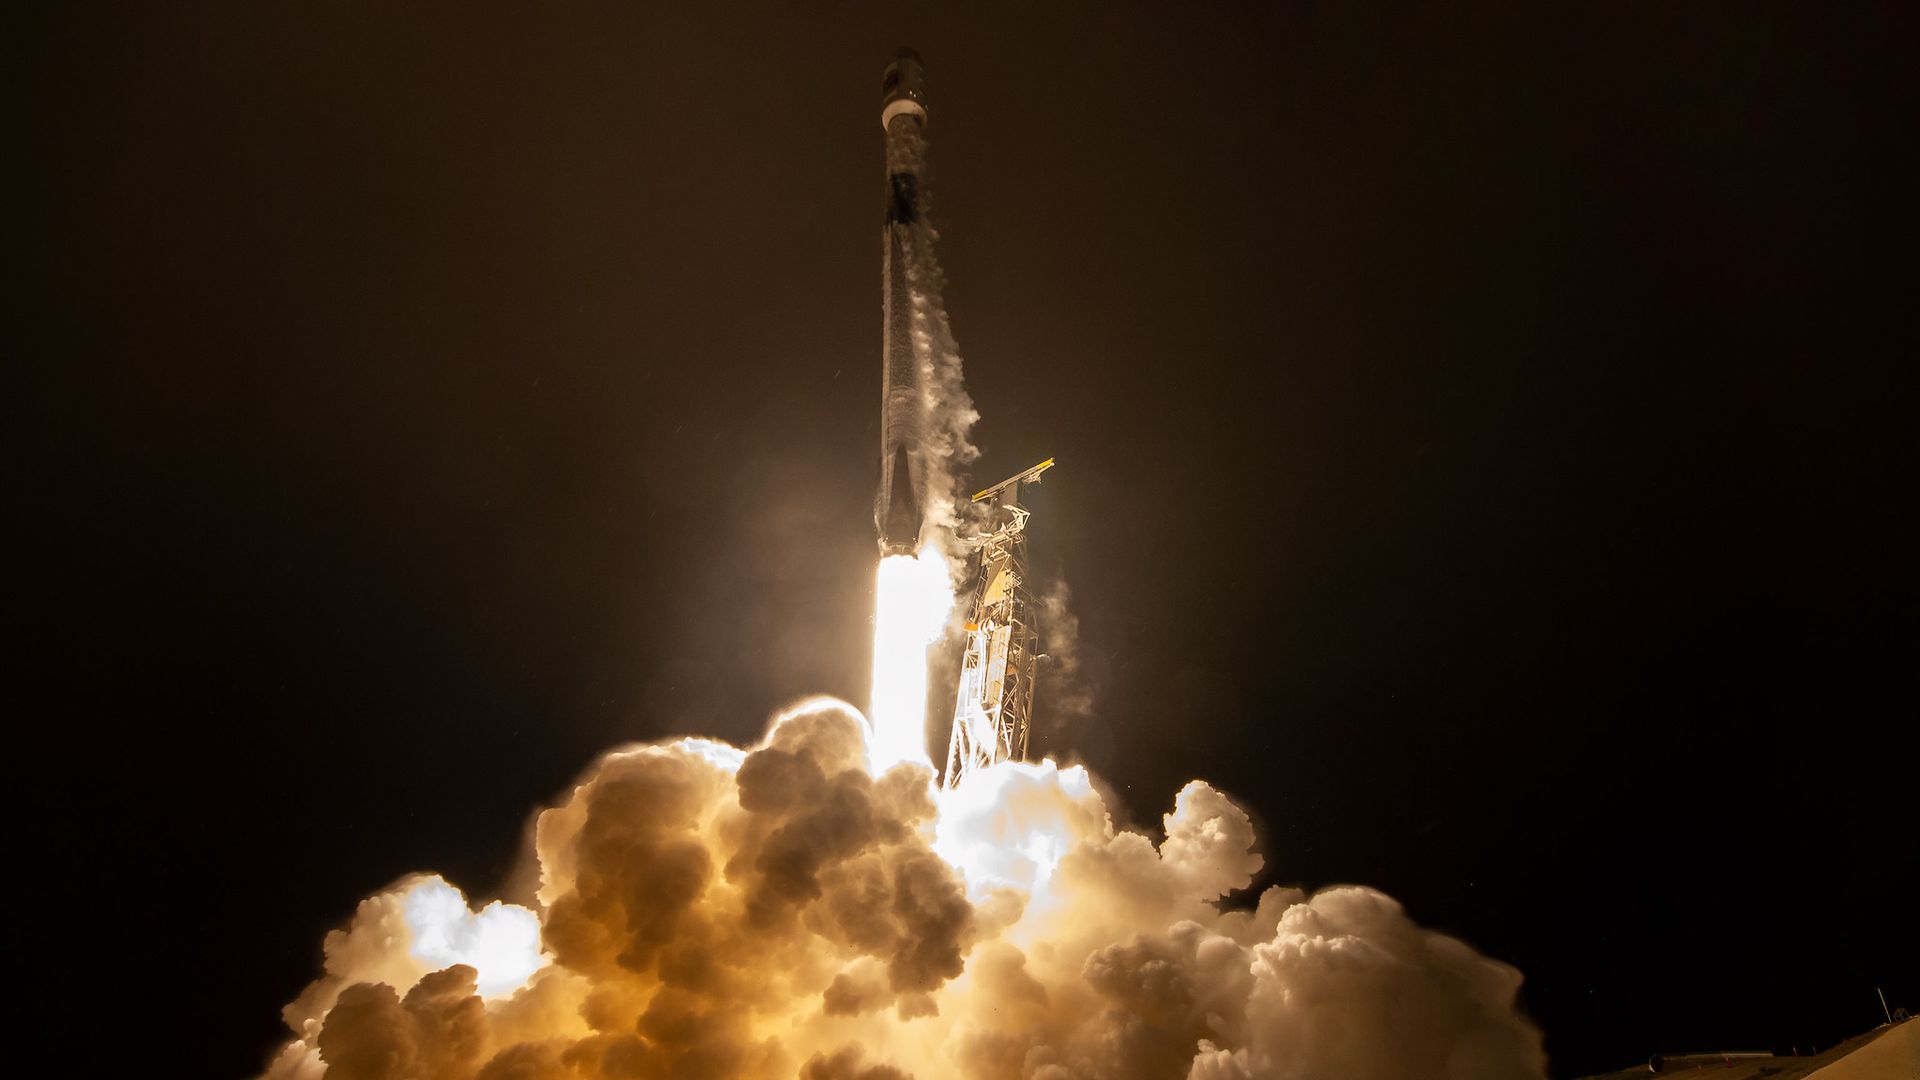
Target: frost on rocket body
(782, 912)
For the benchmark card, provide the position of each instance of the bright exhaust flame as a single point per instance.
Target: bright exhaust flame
(913, 596)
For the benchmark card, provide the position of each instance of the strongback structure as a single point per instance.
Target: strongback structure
(993, 711)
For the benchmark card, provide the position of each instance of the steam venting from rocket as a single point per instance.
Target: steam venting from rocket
(790, 911)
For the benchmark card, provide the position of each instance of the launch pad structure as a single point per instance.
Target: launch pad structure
(993, 709)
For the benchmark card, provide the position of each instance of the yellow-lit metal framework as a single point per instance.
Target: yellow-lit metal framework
(993, 709)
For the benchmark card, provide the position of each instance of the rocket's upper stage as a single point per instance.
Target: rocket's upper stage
(903, 89)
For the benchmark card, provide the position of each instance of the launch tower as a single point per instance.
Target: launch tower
(993, 711)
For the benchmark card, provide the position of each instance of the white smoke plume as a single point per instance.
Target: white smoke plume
(705, 911)
(950, 411)
(1069, 686)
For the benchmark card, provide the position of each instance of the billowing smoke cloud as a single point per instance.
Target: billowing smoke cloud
(783, 912)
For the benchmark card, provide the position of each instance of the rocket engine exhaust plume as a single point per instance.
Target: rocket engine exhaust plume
(913, 595)
(790, 911)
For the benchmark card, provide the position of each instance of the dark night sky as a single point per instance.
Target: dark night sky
(1481, 440)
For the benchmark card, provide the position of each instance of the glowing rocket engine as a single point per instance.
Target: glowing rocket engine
(993, 711)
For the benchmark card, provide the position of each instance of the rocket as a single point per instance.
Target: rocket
(900, 505)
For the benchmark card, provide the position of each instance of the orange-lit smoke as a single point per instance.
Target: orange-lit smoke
(792, 911)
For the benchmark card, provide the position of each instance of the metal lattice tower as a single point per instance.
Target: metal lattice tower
(993, 711)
